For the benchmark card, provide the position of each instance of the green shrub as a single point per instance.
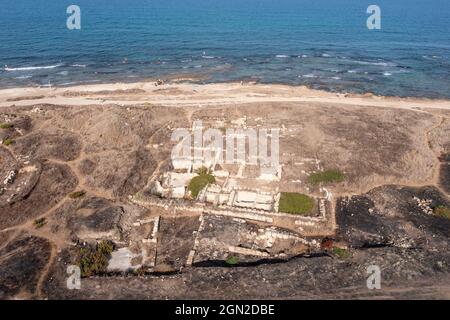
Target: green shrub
(327, 176)
(77, 194)
(203, 171)
(199, 182)
(295, 203)
(6, 126)
(442, 211)
(232, 261)
(8, 142)
(341, 253)
(39, 223)
(94, 261)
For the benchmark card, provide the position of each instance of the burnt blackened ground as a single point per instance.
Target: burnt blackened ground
(405, 274)
(384, 227)
(55, 182)
(102, 215)
(175, 241)
(390, 216)
(22, 261)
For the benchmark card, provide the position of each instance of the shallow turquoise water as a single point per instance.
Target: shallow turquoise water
(324, 44)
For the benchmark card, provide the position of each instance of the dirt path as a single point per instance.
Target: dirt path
(436, 169)
(45, 271)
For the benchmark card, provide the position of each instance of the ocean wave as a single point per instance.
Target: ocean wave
(431, 58)
(73, 82)
(208, 57)
(281, 56)
(387, 74)
(78, 65)
(309, 75)
(23, 77)
(69, 83)
(373, 63)
(6, 68)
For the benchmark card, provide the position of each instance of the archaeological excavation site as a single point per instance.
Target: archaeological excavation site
(98, 181)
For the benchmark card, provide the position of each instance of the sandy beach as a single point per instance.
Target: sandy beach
(189, 94)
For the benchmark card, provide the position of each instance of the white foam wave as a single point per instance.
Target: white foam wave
(23, 77)
(75, 82)
(69, 83)
(6, 68)
(372, 63)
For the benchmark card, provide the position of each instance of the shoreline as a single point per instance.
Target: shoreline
(185, 93)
